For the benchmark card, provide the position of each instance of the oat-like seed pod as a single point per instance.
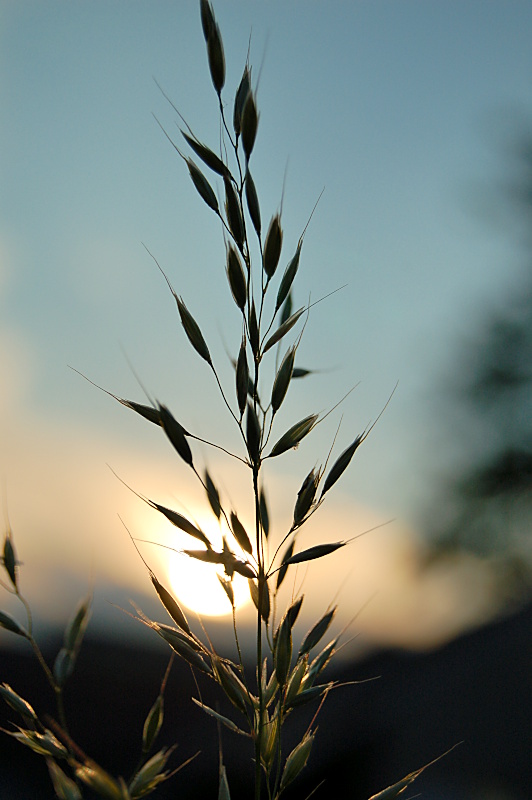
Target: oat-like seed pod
(234, 213)
(297, 760)
(305, 497)
(282, 379)
(193, 331)
(288, 278)
(294, 435)
(242, 378)
(272, 246)
(9, 559)
(202, 185)
(253, 435)
(208, 21)
(341, 464)
(240, 534)
(253, 203)
(213, 495)
(253, 330)
(9, 623)
(16, 702)
(207, 156)
(176, 434)
(241, 96)
(317, 632)
(283, 329)
(250, 122)
(236, 278)
(171, 605)
(215, 53)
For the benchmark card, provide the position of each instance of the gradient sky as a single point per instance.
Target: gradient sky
(401, 110)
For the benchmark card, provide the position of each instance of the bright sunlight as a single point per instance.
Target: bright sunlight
(195, 584)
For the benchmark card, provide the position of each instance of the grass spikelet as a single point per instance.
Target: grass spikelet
(283, 651)
(236, 278)
(272, 246)
(288, 278)
(171, 605)
(234, 213)
(148, 412)
(208, 22)
(215, 53)
(176, 434)
(241, 96)
(65, 788)
(202, 185)
(253, 326)
(240, 534)
(9, 623)
(263, 513)
(250, 123)
(282, 379)
(152, 724)
(253, 434)
(281, 574)
(305, 497)
(182, 523)
(341, 464)
(253, 203)
(293, 435)
(213, 495)
(297, 760)
(9, 559)
(282, 330)
(100, 782)
(207, 156)
(317, 632)
(17, 703)
(318, 551)
(193, 331)
(242, 377)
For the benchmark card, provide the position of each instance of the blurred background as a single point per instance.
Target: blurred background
(416, 119)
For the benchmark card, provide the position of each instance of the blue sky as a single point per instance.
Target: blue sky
(400, 110)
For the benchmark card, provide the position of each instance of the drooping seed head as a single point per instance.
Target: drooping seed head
(193, 331)
(215, 53)
(242, 377)
(317, 632)
(294, 435)
(305, 497)
(288, 278)
(171, 605)
(208, 157)
(234, 213)
(272, 246)
(202, 185)
(213, 495)
(9, 623)
(236, 278)
(175, 433)
(297, 760)
(253, 434)
(152, 724)
(250, 123)
(241, 96)
(253, 203)
(16, 702)
(253, 328)
(341, 464)
(282, 379)
(240, 534)
(282, 330)
(9, 559)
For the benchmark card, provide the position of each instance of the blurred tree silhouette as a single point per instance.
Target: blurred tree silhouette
(487, 505)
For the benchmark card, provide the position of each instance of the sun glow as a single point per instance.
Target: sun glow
(196, 584)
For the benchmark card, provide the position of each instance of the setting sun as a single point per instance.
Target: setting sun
(196, 584)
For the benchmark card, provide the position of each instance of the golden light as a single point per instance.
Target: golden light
(196, 584)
